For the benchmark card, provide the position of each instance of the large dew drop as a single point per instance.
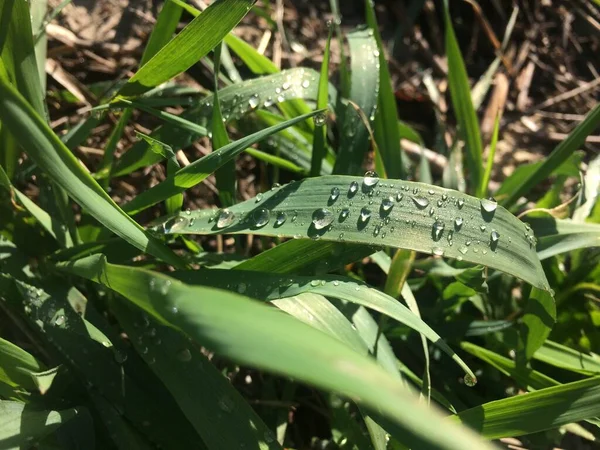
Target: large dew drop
(261, 217)
(387, 203)
(226, 218)
(365, 214)
(322, 218)
(353, 189)
(421, 202)
(489, 205)
(370, 179)
(174, 224)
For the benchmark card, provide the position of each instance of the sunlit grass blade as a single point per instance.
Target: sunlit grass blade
(395, 213)
(192, 43)
(364, 91)
(460, 91)
(386, 117)
(197, 171)
(50, 154)
(536, 324)
(18, 366)
(490, 159)
(558, 156)
(257, 335)
(320, 135)
(537, 411)
(556, 236)
(567, 358)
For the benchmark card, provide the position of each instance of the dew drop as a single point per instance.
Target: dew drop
(370, 179)
(489, 205)
(322, 218)
(458, 221)
(431, 212)
(365, 214)
(285, 86)
(438, 229)
(376, 230)
(438, 251)
(60, 321)
(431, 191)
(261, 217)
(184, 355)
(226, 218)
(421, 202)
(336, 283)
(281, 218)
(120, 356)
(470, 380)
(344, 214)
(226, 404)
(460, 203)
(482, 228)
(241, 288)
(444, 197)
(463, 249)
(305, 84)
(495, 236)
(387, 203)
(335, 193)
(254, 101)
(399, 196)
(353, 189)
(259, 197)
(320, 119)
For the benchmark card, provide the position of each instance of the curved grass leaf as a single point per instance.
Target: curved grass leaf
(21, 425)
(264, 286)
(50, 154)
(18, 366)
(263, 337)
(537, 322)
(564, 357)
(199, 37)
(364, 90)
(558, 156)
(395, 213)
(200, 169)
(225, 419)
(536, 411)
(235, 101)
(460, 91)
(556, 236)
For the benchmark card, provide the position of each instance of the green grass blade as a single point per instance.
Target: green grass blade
(199, 37)
(364, 90)
(395, 213)
(460, 92)
(235, 101)
(49, 153)
(556, 236)
(166, 25)
(386, 118)
(564, 357)
(490, 161)
(558, 156)
(18, 366)
(320, 136)
(536, 323)
(276, 161)
(537, 411)
(225, 419)
(263, 286)
(22, 426)
(225, 176)
(200, 169)
(254, 334)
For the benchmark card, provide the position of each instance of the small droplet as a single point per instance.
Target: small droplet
(335, 193)
(365, 214)
(376, 230)
(421, 202)
(353, 189)
(489, 205)
(320, 119)
(470, 380)
(370, 179)
(495, 236)
(431, 191)
(463, 249)
(226, 218)
(261, 217)
(444, 197)
(438, 229)
(458, 221)
(431, 212)
(120, 356)
(460, 203)
(399, 196)
(281, 218)
(344, 214)
(259, 197)
(482, 228)
(254, 101)
(438, 251)
(305, 84)
(322, 218)
(184, 355)
(336, 283)
(241, 288)
(387, 203)
(226, 404)
(174, 224)
(285, 86)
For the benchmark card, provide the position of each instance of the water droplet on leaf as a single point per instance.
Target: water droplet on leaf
(261, 217)
(226, 218)
(322, 218)
(421, 202)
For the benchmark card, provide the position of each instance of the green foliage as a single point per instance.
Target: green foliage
(125, 336)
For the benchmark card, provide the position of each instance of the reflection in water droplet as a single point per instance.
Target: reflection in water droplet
(261, 217)
(387, 203)
(281, 218)
(353, 189)
(370, 179)
(489, 205)
(438, 229)
(421, 202)
(470, 380)
(365, 214)
(253, 101)
(226, 218)
(322, 218)
(344, 214)
(320, 119)
(335, 193)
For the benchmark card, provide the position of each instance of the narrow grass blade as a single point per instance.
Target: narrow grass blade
(320, 136)
(396, 213)
(490, 161)
(537, 411)
(564, 357)
(276, 161)
(558, 156)
(196, 40)
(225, 419)
(460, 91)
(364, 91)
(200, 169)
(22, 426)
(254, 334)
(556, 236)
(386, 118)
(225, 176)
(49, 153)
(263, 286)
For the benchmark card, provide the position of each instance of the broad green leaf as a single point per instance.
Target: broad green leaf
(558, 156)
(460, 92)
(22, 426)
(354, 139)
(225, 419)
(537, 321)
(564, 357)
(50, 154)
(197, 171)
(395, 213)
(254, 334)
(536, 411)
(199, 37)
(385, 125)
(235, 101)
(264, 286)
